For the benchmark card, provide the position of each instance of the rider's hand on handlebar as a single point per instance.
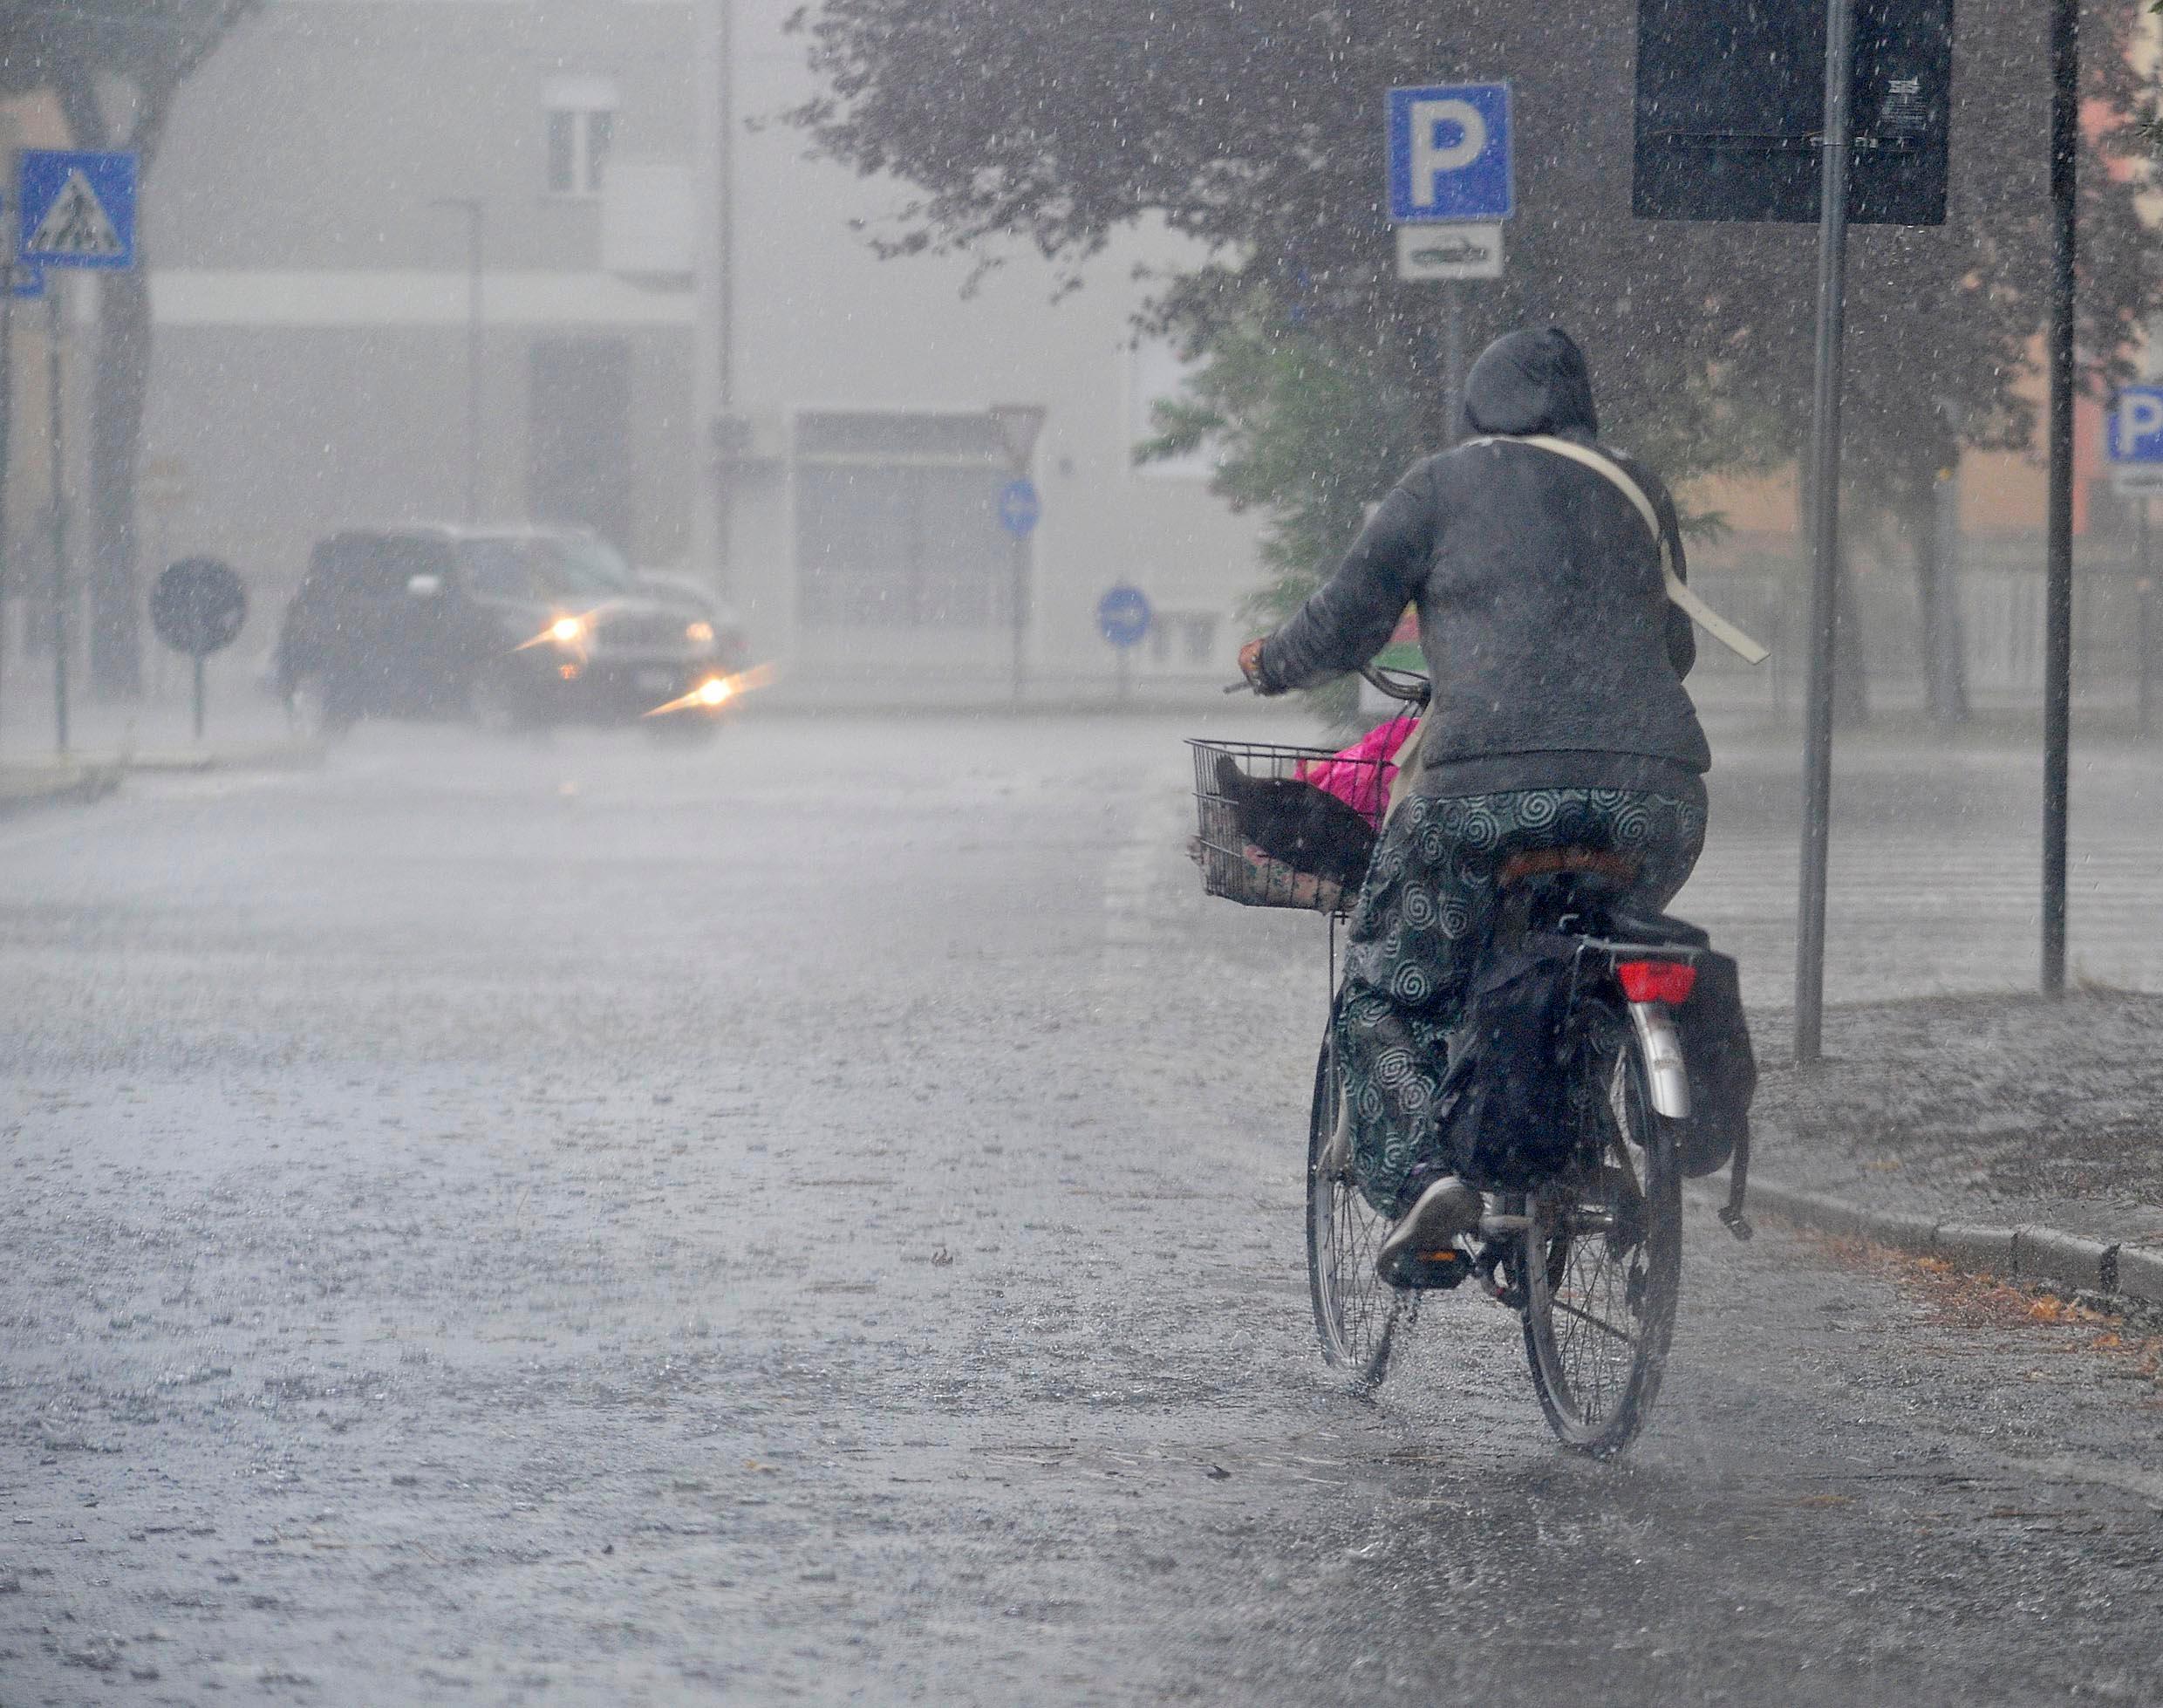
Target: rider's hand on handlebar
(1251, 667)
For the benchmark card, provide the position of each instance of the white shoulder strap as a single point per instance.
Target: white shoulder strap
(1678, 589)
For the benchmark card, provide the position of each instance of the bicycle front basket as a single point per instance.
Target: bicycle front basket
(1233, 867)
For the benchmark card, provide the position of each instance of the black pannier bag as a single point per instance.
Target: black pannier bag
(1722, 1066)
(1508, 1077)
(1507, 1073)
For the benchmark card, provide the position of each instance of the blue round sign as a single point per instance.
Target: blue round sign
(1122, 616)
(1018, 508)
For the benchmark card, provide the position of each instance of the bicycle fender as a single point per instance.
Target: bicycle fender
(1661, 1047)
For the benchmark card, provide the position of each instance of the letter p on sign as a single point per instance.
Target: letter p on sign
(1447, 136)
(2136, 434)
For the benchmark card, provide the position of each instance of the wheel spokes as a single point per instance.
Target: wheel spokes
(1354, 1281)
(1361, 1313)
(1594, 1278)
(1599, 1323)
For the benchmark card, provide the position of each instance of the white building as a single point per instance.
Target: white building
(309, 224)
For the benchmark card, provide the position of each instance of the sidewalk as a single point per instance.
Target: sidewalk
(2001, 1133)
(244, 731)
(24, 785)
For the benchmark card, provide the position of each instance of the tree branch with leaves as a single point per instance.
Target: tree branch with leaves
(1253, 126)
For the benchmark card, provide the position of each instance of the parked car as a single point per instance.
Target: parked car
(508, 626)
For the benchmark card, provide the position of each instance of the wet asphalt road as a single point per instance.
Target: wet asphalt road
(817, 1219)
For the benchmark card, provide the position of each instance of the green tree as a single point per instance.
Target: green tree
(1302, 436)
(1253, 125)
(115, 67)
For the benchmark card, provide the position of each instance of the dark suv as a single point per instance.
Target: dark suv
(511, 626)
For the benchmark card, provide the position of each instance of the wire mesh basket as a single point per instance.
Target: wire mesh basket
(1233, 866)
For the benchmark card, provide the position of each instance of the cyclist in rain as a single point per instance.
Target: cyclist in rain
(1559, 720)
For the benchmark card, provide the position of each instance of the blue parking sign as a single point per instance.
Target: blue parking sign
(1449, 153)
(75, 209)
(2134, 428)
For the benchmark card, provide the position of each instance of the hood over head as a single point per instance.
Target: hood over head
(1531, 382)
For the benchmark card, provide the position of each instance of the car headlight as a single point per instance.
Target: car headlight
(567, 630)
(700, 632)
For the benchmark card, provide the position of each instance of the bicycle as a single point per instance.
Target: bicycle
(1591, 1258)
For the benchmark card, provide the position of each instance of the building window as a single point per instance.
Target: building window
(897, 522)
(579, 130)
(1194, 634)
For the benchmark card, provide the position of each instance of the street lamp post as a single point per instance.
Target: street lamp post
(471, 206)
(1019, 424)
(716, 441)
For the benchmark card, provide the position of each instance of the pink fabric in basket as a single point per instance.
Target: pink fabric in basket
(1360, 775)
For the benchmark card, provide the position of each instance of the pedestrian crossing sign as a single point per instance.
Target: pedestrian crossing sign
(75, 209)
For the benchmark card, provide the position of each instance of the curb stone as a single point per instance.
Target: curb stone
(2032, 1250)
(1910, 1232)
(2139, 1274)
(1975, 1245)
(2066, 1258)
(262, 757)
(24, 788)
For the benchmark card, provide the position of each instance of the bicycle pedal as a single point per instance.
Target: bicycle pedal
(1441, 1269)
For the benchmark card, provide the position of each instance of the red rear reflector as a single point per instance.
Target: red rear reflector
(1670, 982)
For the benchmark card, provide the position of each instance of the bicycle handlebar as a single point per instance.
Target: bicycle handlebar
(1405, 685)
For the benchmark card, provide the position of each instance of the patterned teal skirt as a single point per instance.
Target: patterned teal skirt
(1422, 922)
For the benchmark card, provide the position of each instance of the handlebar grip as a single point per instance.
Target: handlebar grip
(1416, 691)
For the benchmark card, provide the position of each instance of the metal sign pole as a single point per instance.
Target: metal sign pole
(59, 523)
(1017, 554)
(474, 348)
(1019, 424)
(1825, 533)
(2143, 588)
(1453, 360)
(7, 420)
(2057, 659)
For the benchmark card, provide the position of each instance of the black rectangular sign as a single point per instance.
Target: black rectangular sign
(1730, 106)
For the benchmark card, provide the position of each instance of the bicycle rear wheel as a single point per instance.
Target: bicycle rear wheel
(1602, 1261)
(1356, 1314)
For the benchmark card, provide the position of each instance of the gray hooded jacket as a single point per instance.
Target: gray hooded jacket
(1557, 657)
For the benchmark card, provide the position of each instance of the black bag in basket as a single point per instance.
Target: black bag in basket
(1306, 828)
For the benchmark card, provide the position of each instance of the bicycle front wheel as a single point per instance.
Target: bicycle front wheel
(1356, 1314)
(1601, 1262)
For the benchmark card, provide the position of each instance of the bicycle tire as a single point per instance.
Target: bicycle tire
(1585, 1234)
(1356, 1314)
